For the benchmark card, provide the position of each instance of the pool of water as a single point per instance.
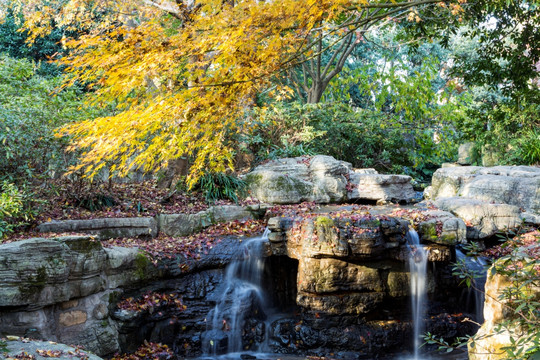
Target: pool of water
(455, 355)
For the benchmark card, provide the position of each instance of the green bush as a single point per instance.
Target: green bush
(364, 138)
(12, 209)
(31, 109)
(508, 127)
(220, 186)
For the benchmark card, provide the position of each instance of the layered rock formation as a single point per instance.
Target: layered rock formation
(501, 327)
(512, 185)
(66, 289)
(489, 200)
(149, 227)
(24, 348)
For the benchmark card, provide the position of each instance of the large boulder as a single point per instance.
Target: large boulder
(466, 153)
(187, 224)
(483, 219)
(323, 179)
(442, 227)
(39, 272)
(513, 185)
(60, 289)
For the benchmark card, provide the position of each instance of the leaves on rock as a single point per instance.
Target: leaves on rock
(151, 301)
(190, 247)
(148, 351)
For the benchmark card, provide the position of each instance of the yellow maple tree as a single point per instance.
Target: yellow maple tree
(182, 74)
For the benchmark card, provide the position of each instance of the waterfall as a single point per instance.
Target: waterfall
(476, 265)
(242, 298)
(418, 269)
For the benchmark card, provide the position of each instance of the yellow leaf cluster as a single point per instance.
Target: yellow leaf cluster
(182, 74)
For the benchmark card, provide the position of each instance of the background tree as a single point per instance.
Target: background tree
(182, 75)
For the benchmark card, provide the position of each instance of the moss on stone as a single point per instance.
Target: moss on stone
(141, 263)
(290, 184)
(448, 239)
(34, 284)
(429, 231)
(324, 221)
(254, 179)
(84, 245)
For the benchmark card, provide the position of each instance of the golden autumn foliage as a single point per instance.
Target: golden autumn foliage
(183, 74)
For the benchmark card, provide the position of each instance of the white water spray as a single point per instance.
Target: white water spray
(242, 295)
(418, 257)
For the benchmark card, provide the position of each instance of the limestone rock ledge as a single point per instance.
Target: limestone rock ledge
(17, 345)
(149, 227)
(60, 289)
(512, 185)
(66, 289)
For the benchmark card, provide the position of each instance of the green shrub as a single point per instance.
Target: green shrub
(220, 186)
(11, 208)
(509, 128)
(527, 147)
(364, 138)
(31, 109)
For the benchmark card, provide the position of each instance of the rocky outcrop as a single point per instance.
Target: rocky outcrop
(482, 219)
(323, 179)
(61, 289)
(442, 227)
(187, 224)
(344, 270)
(349, 263)
(466, 153)
(512, 185)
(39, 272)
(66, 289)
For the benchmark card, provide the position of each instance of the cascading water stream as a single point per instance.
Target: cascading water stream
(418, 269)
(242, 295)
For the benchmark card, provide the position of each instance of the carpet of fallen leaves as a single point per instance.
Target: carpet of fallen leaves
(191, 247)
(63, 199)
(148, 351)
(525, 241)
(151, 301)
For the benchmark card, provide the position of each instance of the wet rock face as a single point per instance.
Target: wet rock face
(66, 289)
(343, 280)
(352, 263)
(323, 179)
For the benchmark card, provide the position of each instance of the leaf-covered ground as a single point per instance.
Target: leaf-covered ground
(64, 199)
(193, 246)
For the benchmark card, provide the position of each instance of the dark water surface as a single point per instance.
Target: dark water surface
(455, 355)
